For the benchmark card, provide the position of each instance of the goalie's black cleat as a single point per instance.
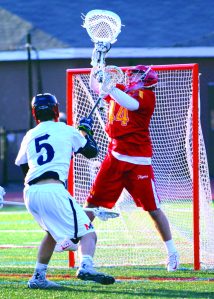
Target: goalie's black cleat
(93, 275)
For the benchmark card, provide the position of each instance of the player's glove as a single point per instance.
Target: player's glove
(86, 124)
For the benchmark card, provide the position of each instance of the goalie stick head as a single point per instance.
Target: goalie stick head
(141, 76)
(45, 107)
(102, 25)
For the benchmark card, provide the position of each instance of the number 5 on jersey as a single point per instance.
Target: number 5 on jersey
(49, 149)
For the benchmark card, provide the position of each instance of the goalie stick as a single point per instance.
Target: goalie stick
(103, 26)
(102, 214)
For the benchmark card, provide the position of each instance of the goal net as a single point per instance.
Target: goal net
(180, 167)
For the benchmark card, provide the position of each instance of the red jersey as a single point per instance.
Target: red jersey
(129, 130)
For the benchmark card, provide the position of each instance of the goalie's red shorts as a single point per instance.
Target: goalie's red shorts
(114, 175)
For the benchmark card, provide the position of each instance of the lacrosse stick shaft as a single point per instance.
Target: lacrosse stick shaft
(96, 211)
(95, 106)
(15, 203)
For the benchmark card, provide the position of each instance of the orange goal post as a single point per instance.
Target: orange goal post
(181, 174)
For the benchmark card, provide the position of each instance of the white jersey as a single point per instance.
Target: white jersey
(49, 147)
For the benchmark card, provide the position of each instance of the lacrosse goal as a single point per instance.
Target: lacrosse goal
(180, 167)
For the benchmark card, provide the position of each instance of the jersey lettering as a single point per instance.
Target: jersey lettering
(49, 149)
(121, 115)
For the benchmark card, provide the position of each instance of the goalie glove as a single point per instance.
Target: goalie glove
(99, 52)
(107, 85)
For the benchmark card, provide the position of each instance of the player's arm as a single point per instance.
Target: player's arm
(21, 159)
(122, 98)
(90, 150)
(24, 168)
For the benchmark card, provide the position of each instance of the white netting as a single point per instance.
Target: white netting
(102, 25)
(132, 239)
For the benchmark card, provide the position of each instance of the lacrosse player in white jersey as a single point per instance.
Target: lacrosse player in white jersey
(44, 157)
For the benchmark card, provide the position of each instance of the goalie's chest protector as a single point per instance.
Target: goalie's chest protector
(132, 125)
(129, 130)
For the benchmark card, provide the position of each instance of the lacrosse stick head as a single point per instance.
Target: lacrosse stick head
(102, 25)
(102, 213)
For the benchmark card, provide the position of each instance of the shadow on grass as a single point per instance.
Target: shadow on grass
(92, 290)
(160, 293)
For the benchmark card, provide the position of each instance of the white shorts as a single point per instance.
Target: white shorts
(56, 211)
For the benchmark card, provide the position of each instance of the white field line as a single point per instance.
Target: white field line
(14, 212)
(9, 246)
(21, 231)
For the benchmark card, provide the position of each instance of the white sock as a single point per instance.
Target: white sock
(170, 247)
(86, 259)
(41, 267)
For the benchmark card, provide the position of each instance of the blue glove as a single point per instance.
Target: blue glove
(86, 124)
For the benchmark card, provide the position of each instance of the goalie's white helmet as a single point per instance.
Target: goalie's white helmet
(141, 76)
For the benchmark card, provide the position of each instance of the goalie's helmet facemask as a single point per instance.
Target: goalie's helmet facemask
(141, 76)
(45, 107)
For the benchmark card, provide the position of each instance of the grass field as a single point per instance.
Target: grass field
(20, 237)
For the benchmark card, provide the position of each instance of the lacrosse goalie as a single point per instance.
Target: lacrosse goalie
(128, 163)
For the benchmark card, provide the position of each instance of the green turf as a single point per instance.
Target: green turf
(150, 284)
(16, 267)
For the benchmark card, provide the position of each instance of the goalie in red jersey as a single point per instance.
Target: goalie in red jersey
(128, 160)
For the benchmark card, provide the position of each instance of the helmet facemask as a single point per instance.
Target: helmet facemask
(140, 77)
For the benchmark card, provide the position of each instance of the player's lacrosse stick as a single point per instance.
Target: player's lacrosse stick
(14, 203)
(103, 26)
(102, 214)
(111, 76)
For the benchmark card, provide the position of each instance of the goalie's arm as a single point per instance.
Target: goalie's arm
(93, 82)
(123, 99)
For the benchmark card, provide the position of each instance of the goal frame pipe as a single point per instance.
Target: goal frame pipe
(70, 186)
(195, 140)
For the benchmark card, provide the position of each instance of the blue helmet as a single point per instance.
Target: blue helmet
(45, 106)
